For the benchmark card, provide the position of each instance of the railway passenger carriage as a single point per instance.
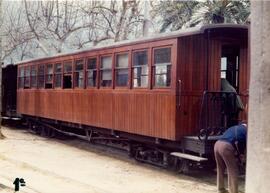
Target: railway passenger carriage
(153, 87)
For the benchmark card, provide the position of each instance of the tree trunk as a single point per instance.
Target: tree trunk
(258, 157)
(146, 21)
(1, 135)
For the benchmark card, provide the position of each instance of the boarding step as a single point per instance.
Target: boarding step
(188, 156)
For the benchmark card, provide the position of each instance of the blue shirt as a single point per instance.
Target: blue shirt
(236, 133)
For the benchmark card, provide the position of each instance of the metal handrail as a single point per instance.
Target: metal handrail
(217, 108)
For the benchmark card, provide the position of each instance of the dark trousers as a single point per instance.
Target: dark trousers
(225, 158)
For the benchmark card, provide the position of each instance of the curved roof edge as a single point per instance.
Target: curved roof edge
(161, 36)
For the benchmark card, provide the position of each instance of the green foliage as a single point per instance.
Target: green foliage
(180, 14)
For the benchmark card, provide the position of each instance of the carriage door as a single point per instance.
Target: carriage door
(230, 82)
(230, 65)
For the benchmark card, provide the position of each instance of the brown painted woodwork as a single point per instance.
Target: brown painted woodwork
(130, 111)
(192, 71)
(168, 113)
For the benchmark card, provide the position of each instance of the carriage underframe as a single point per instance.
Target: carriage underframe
(191, 151)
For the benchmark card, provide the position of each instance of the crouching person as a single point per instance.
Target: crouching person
(229, 149)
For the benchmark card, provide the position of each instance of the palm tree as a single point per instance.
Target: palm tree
(181, 14)
(220, 11)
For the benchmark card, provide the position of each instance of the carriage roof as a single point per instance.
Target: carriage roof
(161, 36)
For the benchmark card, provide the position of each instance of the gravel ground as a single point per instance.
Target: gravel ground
(74, 166)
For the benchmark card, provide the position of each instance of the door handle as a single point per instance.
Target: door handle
(180, 91)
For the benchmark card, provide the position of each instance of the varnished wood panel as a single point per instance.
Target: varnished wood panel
(151, 114)
(214, 80)
(191, 69)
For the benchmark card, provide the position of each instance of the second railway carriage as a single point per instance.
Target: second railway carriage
(9, 89)
(156, 90)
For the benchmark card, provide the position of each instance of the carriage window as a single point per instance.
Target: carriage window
(106, 71)
(121, 70)
(78, 74)
(162, 67)
(21, 77)
(41, 78)
(140, 69)
(33, 76)
(67, 79)
(49, 76)
(58, 75)
(223, 67)
(27, 77)
(91, 72)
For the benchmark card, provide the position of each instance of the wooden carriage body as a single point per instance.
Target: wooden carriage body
(150, 87)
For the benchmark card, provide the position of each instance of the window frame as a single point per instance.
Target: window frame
(29, 76)
(38, 75)
(76, 71)
(68, 73)
(148, 66)
(33, 66)
(87, 70)
(115, 69)
(153, 68)
(57, 73)
(236, 71)
(20, 79)
(47, 74)
(100, 70)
